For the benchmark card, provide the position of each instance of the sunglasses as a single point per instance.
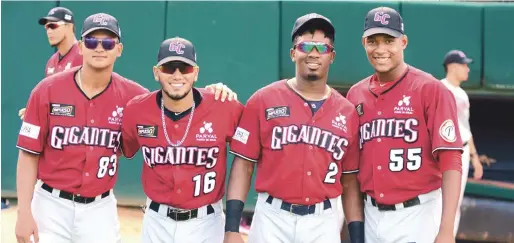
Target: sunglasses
(53, 25)
(107, 43)
(306, 47)
(171, 68)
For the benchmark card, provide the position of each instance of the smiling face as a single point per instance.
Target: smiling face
(313, 53)
(100, 49)
(176, 78)
(385, 52)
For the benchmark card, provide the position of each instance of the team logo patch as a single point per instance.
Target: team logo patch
(62, 110)
(206, 133)
(404, 106)
(116, 116)
(276, 112)
(340, 122)
(447, 131)
(29, 130)
(360, 109)
(241, 135)
(147, 131)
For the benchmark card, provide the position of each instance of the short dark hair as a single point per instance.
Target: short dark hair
(311, 27)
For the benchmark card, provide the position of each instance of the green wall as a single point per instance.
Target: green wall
(246, 46)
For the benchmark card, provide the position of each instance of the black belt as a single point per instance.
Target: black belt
(300, 209)
(73, 197)
(384, 207)
(179, 215)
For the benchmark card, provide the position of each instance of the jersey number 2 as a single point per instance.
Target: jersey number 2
(330, 178)
(209, 182)
(397, 161)
(103, 166)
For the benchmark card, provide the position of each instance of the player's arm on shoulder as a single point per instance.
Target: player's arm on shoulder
(129, 138)
(221, 92)
(352, 199)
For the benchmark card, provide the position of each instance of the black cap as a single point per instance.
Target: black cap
(456, 56)
(318, 20)
(383, 20)
(56, 15)
(101, 21)
(177, 49)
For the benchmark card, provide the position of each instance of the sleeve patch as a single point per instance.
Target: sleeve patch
(447, 131)
(29, 130)
(241, 135)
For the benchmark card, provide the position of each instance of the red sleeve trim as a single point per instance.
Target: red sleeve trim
(450, 160)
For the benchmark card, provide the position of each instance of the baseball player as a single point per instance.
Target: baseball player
(69, 143)
(456, 67)
(303, 137)
(409, 141)
(183, 138)
(60, 29)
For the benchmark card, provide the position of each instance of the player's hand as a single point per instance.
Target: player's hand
(486, 160)
(21, 113)
(233, 237)
(222, 90)
(445, 237)
(478, 168)
(26, 227)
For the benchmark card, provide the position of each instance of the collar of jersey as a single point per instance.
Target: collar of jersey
(197, 96)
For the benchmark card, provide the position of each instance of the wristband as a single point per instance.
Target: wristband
(234, 212)
(356, 230)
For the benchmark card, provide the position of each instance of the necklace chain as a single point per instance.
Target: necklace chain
(187, 128)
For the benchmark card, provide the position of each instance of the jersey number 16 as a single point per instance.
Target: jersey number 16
(209, 182)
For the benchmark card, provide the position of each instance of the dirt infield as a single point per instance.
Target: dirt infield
(130, 223)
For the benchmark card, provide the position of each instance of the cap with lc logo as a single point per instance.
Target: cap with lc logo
(383, 20)
(176, 49)
(101, 21)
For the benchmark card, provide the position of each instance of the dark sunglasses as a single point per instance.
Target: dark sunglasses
(171, 68)
(306, 47)
(53, 25)
(107, 43)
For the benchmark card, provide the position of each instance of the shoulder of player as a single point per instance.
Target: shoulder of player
(363, 83)
(142, 99)
(208, 97)
(271, 89)
(427, 82)
(64, 76)
(132, 86)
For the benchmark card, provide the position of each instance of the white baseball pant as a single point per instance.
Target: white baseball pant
(206, 228)
(271, 224)
(465, 170)
(61, 220)
(419, 224)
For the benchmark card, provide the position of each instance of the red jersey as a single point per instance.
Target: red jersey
(300, 155)
(192, 174)
(76, 137)
(57, 64)
(401, 128)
